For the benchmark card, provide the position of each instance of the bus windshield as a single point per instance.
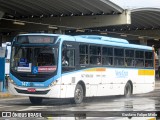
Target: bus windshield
(39, 59)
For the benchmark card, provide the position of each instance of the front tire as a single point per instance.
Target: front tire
(35, 100)
(128, 90)
(78, 94)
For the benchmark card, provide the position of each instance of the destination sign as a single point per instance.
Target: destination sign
(39, 39)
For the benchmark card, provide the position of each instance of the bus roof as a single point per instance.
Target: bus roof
(110, 39)
(96, 39)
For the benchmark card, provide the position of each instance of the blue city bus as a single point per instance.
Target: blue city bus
(64, 66)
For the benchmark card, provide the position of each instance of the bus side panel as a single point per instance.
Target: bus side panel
(148, 84)
(70, 80)
(111, 81)
(92, 79)
(68, 84)
(149, 76)
(67, 91)
(55, 92)
(106, 85)
(142, 88)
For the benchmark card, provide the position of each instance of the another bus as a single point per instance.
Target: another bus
(63, 66)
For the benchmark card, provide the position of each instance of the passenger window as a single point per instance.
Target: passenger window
(118, 57)
(148, 59)
(95, 55)
(107, 56)
(139, 58)
(129, 58)
(83, 49)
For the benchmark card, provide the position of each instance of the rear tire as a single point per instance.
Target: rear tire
(128, 90)
(35, 100)
(78, 94)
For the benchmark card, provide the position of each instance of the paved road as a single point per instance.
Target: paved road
(143, 102)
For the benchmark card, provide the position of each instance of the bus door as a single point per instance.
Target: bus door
(68, 67)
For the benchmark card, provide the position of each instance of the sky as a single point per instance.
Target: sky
(132, 4)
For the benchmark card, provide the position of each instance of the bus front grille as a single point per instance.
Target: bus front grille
(36, 92)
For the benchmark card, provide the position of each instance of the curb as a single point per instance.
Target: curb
(5, 95)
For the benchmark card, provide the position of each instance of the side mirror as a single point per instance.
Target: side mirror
(6, 52)
(64, 47)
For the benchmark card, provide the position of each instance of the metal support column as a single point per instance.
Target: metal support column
(2, 70)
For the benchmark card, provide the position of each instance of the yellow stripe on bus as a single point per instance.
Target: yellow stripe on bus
(96, 70)
(50, 118)
(146, 72)
(100, 69)
(151, 119)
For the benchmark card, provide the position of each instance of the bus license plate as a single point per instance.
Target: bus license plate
(31, 90)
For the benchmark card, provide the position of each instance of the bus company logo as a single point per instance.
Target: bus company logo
(6, 114)
(121, 73)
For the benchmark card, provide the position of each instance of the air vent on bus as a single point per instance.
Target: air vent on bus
(109, 39)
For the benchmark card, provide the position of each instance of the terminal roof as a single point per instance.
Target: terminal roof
(47, 8)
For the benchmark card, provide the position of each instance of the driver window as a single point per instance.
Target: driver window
(68, 59)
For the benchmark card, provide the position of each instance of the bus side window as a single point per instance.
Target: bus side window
(83, 52)
(107, 56)
(148, 59)
(139, 63)
(119, 57)
(95, 55)
(139, 57)
(129, 58)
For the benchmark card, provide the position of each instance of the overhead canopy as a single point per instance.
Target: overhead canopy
(63, 14)
(82, 12)
(46, 8)
(141, 19)
(146, 18)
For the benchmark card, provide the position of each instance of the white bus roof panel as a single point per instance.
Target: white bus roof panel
(110, 39)
(112, 42)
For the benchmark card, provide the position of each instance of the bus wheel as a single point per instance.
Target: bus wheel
(128, 90)
(35, 100)
(78, 94)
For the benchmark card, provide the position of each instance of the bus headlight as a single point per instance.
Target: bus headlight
(54, 83)
(11, 81)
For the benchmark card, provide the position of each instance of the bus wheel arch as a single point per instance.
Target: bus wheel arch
(83, 86)
(128, 89)
(79, 92)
